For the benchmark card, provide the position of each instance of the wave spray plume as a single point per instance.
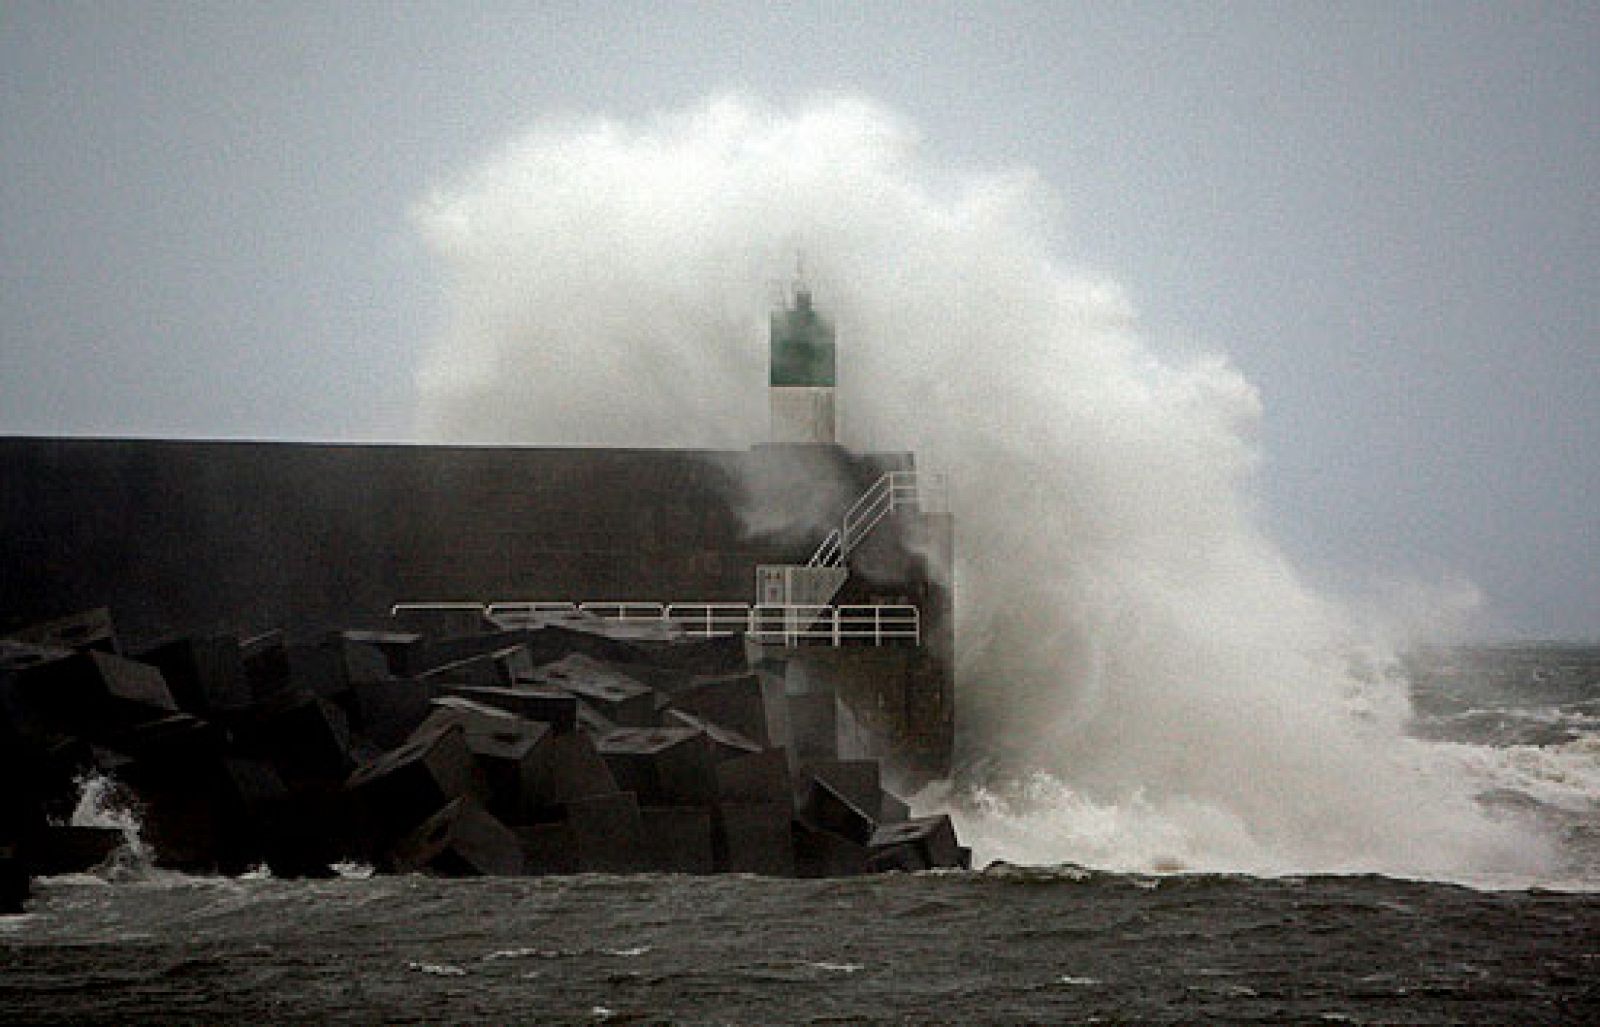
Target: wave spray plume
(1152, 680)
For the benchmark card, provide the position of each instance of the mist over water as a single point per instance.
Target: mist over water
(1146, 682)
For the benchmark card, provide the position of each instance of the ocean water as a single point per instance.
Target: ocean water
(1003, 944)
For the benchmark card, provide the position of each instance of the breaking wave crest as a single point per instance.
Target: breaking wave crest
(1147, 679)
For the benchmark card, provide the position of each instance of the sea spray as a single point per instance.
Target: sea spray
(102, 802)
(1134, 651)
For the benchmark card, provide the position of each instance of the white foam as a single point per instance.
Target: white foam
(1127, 631)
(437, 969)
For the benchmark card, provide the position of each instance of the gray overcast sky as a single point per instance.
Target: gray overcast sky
(1385, 214)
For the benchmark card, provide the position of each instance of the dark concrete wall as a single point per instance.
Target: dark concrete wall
(186, 535)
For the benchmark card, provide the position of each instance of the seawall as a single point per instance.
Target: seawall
(184, 536)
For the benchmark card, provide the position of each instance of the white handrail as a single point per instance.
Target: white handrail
(789, 624)
(531, 607)
(892, 490)
(399, 608)
(624, 610)
(708, 619)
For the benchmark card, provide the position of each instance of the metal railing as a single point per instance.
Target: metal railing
(789, 624)
(799, 624)
(624, 610)
(892, 490)
(704, 620)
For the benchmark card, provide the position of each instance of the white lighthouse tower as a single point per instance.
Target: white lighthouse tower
(802, 374)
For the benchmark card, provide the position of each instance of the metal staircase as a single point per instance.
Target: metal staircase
(893, 491)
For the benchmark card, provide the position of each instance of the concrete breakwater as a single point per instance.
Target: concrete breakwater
(449, 744)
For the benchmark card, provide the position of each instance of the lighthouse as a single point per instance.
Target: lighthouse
(802, 374)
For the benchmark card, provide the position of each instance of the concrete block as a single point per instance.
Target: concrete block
(203, 672)
(503, 745)
(932, 841)
(439, 651)
(892, 809)
(905, 859)
(389, 711)
(756, 777)
(89, 629)
(179, 740)
(94, 690)
(827, 808)
(565, 767)
(181, 824)
(549, 848)
(821, 853)
(860, 781)
(615, 696)
(813, 728)
(609, 833)
(664, 766)
(725, 744)
(594, 723)
(266, 663)
(756, 838)
(549, 705)
(474, 717)
(402, 651)
(721, 654)
(404, 787)
(253, 784)
(17, 659)
(460, 840)
(551, 642)
(496, 668)
(679, 839)
(751, 704)
(305, 736)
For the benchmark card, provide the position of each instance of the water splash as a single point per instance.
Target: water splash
(1128, 632)
(103, 802)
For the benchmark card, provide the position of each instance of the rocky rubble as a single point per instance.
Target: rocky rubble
(446, 746)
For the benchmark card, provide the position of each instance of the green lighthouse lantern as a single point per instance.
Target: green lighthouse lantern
(802, 374)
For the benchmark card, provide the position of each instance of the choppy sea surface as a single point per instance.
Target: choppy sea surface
(1002, 945)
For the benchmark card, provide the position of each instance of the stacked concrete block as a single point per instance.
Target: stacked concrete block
(565, 767)
(496, 668)
(266, 663)
(821, 853)
(860, 782)
(89, 629)
(203, 672)
(513, 749)
(924, 843)
(725, 744)
(306, 736)
(460, 840)
(608, 832)
(664, 766)
(410, 784)
(761, 776)
(828, 808)
(402, 651)
(751, 704)
(681, 840)
(387, 712)
(620, 699)
(756, 838)
(503, 745)
(548, 848)
(95, 690)
(550, 705)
